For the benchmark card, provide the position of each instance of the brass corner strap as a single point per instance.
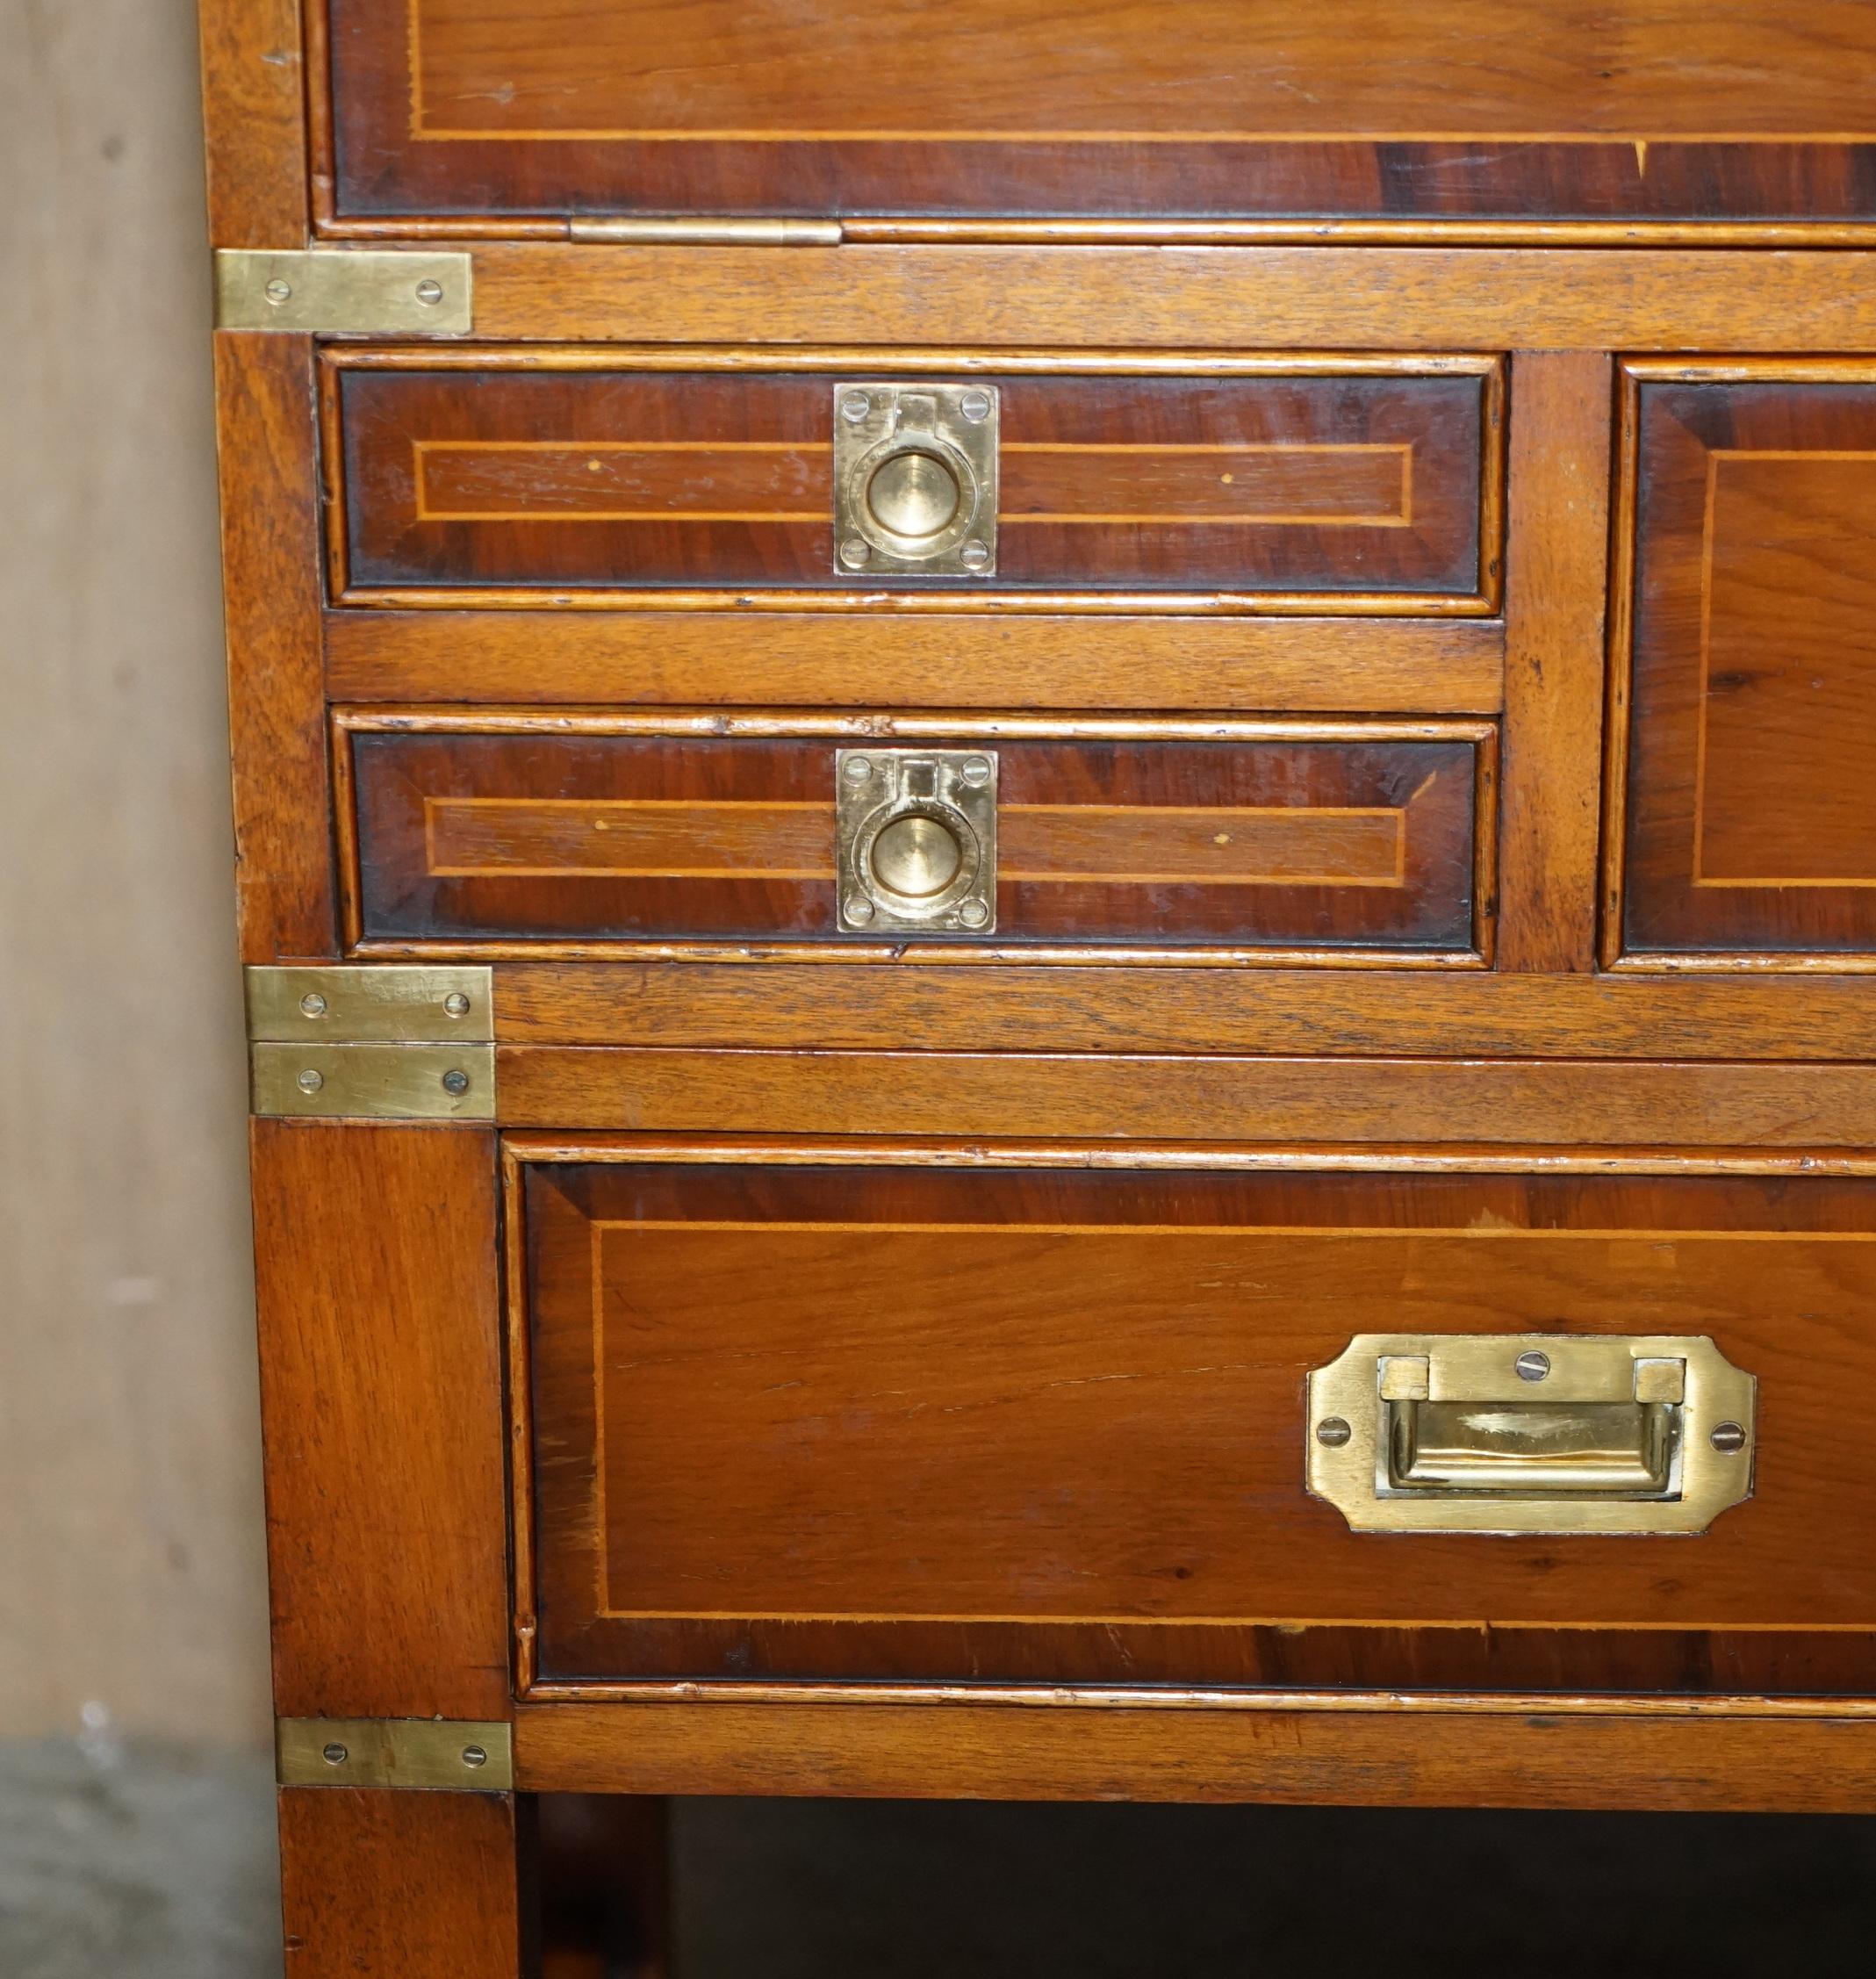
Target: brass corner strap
(339, 291)
(374, 1042)
(435, 1755)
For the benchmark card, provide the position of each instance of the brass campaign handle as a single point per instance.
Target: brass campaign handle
(1531, 1433)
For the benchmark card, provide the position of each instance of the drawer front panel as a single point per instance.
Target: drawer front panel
(615, 480)
(1361, 839)
(1043, 1424)
(1751, 755)
(1185, 108)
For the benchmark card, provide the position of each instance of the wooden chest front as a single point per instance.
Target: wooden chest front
(1056, 851)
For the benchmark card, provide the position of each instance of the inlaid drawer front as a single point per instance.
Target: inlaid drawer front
(859, 1416)
(1185, 108)
(1748, 830)
(574, 471)
(1141, 835)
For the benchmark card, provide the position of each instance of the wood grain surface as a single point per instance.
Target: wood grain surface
(793, 1422)
(1139, 299)
(1572, 111)
(1748, 827)
(1549, 821)
(528, 476)
(426, 1886)
(254, 73)
(1591, 1103)
(957, 660)
(1264, 841)
(381, 1399)
(955, 1333)
(1378, 1758)
(270, 568)
(1273, 1012)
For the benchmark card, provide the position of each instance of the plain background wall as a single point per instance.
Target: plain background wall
(131, 1570)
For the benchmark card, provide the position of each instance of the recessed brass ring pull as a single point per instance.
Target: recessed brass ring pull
(916, 833)
(915, 480)
(1531, 1433)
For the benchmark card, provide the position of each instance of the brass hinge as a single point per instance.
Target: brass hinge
(345, 292)
(385, 1042)
(652, 229)
(447, 1755)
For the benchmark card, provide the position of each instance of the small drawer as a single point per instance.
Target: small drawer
(817, 1412)
(1745, 833)
(471, 832)
(1357, 485)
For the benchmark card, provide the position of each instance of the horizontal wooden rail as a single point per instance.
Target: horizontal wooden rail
(967, 1750)
(1324, 298)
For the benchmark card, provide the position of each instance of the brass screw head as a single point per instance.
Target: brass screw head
(1727, 1438)
(429, 293)
(1532, 1367)
(855, 406)
(1333, 1432)
(456, 1083)
(975, 556)
(309, 1081)
(474, 1755)
(860, 909)
(854, 552)
(278, 291)
(455, 1003)
(859, 769)
(312, 1004)
(335, 1754)
(975, 406)
(977, 772)
(974, 913)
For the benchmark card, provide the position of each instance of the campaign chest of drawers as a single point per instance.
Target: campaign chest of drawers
(1058, 856)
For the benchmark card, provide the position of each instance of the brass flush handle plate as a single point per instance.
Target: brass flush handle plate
(1531, 1433)
(917, 840)
(915, 480)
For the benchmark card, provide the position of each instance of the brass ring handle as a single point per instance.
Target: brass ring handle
(916, 840)
(915, 479)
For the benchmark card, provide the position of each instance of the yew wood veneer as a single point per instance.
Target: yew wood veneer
(719, 1337)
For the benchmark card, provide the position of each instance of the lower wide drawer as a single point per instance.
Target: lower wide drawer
(796, 1416)
(1217, 834)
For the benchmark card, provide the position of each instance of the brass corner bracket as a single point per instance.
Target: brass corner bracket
(345, 292)
(435, 1755)
(384, 1042)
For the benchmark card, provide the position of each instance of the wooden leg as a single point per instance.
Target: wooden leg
(408, 1885)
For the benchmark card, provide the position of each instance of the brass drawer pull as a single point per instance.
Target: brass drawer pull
(1517, 1432)
(917, 831)
(915, 479)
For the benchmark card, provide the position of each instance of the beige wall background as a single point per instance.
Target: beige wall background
(131, 1573)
